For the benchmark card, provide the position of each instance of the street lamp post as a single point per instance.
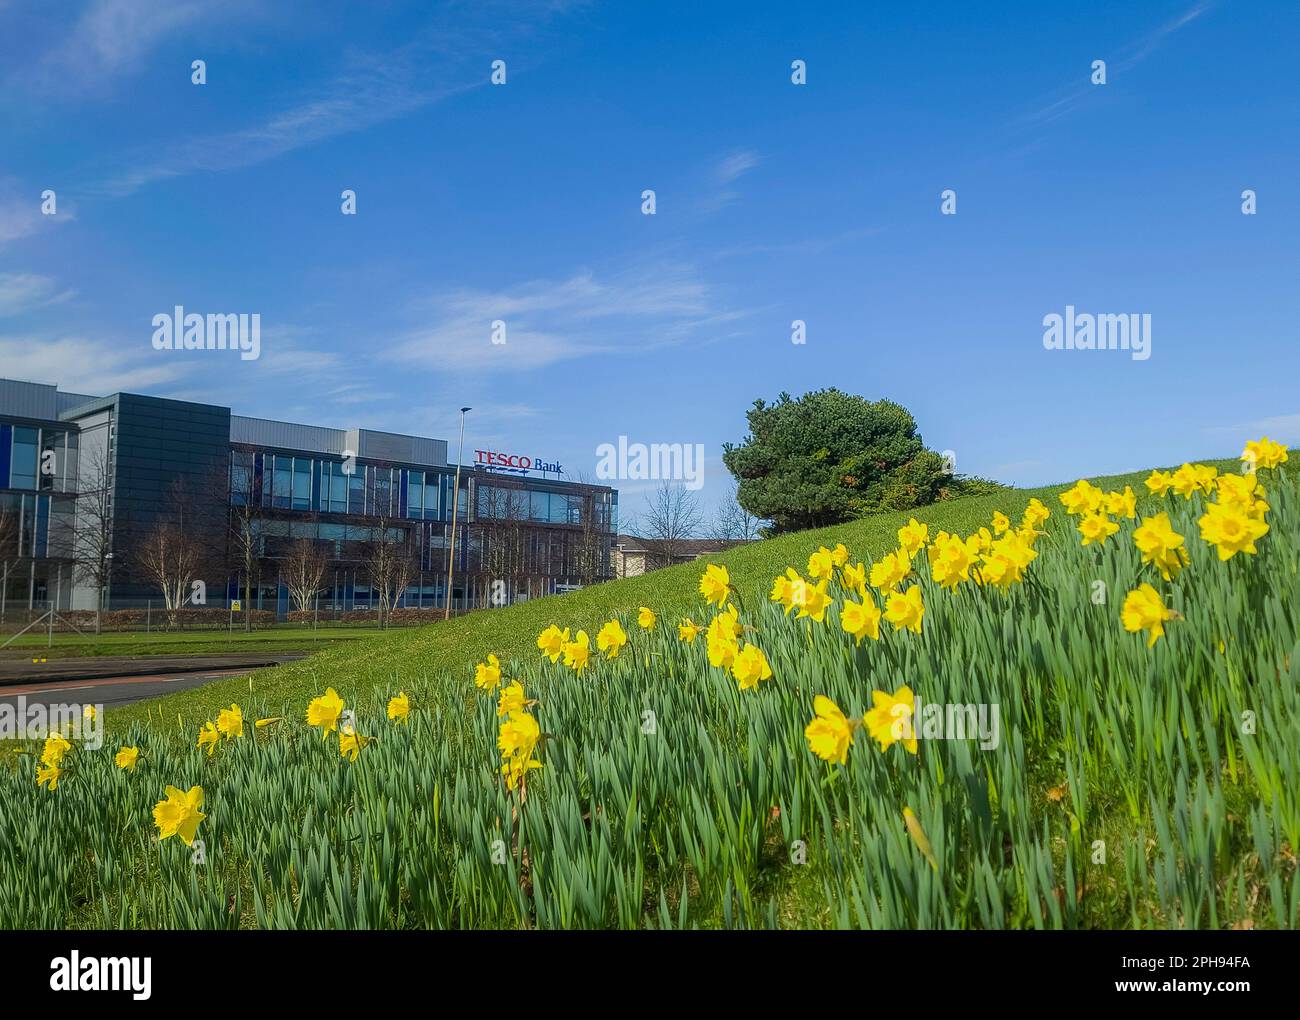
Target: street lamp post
(455, 505)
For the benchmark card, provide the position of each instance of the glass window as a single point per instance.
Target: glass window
(415, 494)
(51, 461)
(301, 483)
(357, 493)
(283, 483)
(539, 506)
(338, 490)
(431, 505)
(23, 470)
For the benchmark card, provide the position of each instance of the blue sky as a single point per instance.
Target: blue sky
(775, 202)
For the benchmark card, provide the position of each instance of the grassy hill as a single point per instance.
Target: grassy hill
(1077, 775)
(415, 654)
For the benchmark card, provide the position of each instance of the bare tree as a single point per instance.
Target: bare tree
(93, 542)
(732, 522)
(303, 570)
(174, 551)
(390, 566)
(243, 530)
(503, 512)
(671, 516)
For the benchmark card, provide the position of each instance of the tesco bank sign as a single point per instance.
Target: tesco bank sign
(515, 462)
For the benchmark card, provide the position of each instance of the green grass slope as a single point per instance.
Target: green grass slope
(405, 657)
(1121, 784)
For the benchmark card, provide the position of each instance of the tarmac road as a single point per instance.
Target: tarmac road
(110, 692)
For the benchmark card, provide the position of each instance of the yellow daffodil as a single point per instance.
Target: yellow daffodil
(1144, 610)
(1263, 453)
(351, 742)
(890, 719)
(1159, 483)
(1084, 497)
(1193, 478)
(1001, 522)
(950, 561)
(1160, 545)
(784, 588)
(715, 585)
(645, 618)
(126, 758)
(811, 600)
(324, 711)
(687, 630)
(48, 775)
(891, 570)
(1006, 561)
(179, 814)
(487, 675)
(905, 609)
(830, 733)
(515, 768)
(1239, 490)
(1122, 504)
(230, 722)
(722, 638)
(611, 638)
(551, 642)
(840, 554)
(209, 737)
(518, 735)
(861, 619)
(722, 650)
(912, 536)
(854, 578)
(577, 653)
(516, 740)
(1096, 527)
(511, 700)
(1035, 514)
(750, 666)
(399, 708)
(821, 564)
(1230, 530)
(54, 750)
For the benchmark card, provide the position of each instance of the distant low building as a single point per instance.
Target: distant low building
(633, 556)
(377, 505)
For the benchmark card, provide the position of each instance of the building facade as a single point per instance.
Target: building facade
(127, 500)
(633, 556)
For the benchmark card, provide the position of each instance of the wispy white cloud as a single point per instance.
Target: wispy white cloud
(367, 96)
(719, 192)
(372, 88)
(1065, 101)
(111, 38)
(83, 364)
(735, 166)
(804, 246)
(548, 321)
(1281, 428)
(22, 292)
(20, 211)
